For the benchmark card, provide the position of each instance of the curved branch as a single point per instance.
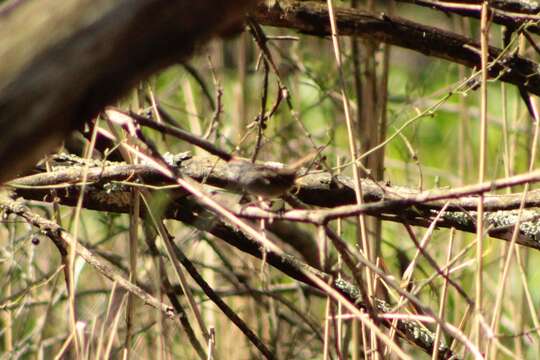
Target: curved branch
(63, 61)
(508, 13)
(312, 18)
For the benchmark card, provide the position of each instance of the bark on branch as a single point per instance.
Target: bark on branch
(200, 218)
(107, 193)
(512, 14)
(63, 61)
(312, 18)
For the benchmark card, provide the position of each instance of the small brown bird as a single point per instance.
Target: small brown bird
(268, 180)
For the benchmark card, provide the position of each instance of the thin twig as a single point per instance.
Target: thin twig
(170, 130)
(259, 344)
(60, 236)
(361, 230)
(479, 296)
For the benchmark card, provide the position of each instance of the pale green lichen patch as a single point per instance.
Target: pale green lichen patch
(419, 333)
(62, 161)
(176, 159)
(502, 219)
(459, 217)
(348, 288)
(529, 226)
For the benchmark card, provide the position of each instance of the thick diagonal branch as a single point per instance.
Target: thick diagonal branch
(312, 18)
(63, 61)
(200, 218)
